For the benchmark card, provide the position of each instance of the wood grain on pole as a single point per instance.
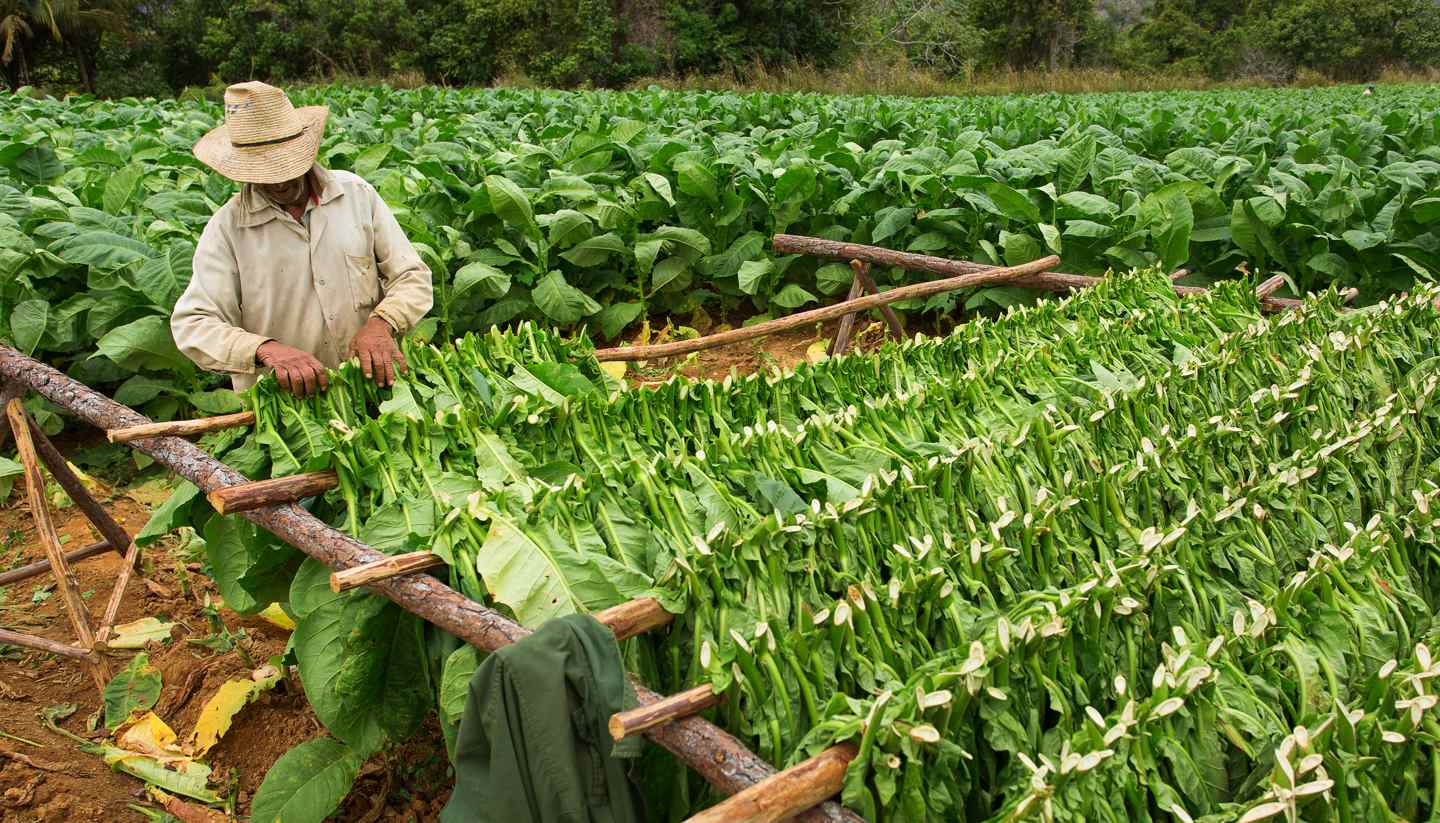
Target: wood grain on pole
(180, 428)
(41, 644)
(806, 318)
(115, 535)
(9, 390)
(112, 608)
(782, 796)
(392, 566)
(50, 541)
(257, 494)
(40, 567)
(716, 755)
(686, 703)
(634, 617)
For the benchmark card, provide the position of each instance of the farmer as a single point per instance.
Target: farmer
(301, 270)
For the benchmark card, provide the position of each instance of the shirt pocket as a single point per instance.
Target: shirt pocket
(364, 280)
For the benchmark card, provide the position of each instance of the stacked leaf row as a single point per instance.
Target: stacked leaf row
(1124, 556)
(601, 208)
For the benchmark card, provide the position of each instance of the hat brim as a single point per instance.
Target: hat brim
(275, 163)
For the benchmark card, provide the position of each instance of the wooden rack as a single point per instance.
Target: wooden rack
(717, 756)
(759, 794)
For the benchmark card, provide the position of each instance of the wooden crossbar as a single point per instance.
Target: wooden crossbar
(780, 797)
(257, 494)
(686, 703)
(180, 428)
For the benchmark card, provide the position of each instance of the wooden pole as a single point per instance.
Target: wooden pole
(847, 323)
(1270, 286)
(8, 391)
(392, 566)
(180, 428)
(105, 525)
(717, 756)
(806, 318)
(50, 541)
(41, 644)
(779, 798)
(40, 567)
(634, 617)
(112, 609)
(862, 271)
(1048, 280)
(257, 494)
(684, 704)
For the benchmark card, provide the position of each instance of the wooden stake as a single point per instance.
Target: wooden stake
(41, 644)
(1270, 286)
(684, 704)
(8, 391)
(862, 272)
(181, 428)
(806, 318)
(40, 567)
(112, 609)
(847, 323)
(787, 793)
(393, 566)
(634, 617)
(105, 525)
(45, 529)
(257, 494)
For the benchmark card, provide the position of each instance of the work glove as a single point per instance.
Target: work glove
(380, 359)
(298, 372)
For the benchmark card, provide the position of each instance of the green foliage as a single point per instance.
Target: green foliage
(135, 688)
(1123, 551)
(307, 783)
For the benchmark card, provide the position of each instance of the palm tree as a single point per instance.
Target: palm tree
(75, 24)
(15, 29)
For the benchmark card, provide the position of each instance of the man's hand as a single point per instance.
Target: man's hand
(380, 358)
(298, 372)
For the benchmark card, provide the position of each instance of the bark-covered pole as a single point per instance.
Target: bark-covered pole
(714, 754)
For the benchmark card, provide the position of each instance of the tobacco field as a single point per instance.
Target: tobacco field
(600, 209)
(1122, 556)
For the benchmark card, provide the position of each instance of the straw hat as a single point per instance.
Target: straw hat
(264, 138)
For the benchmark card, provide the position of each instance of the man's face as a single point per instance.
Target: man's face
(289, 193)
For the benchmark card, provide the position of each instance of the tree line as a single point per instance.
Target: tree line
(160, 47)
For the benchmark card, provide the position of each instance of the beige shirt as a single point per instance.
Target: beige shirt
(259, 274)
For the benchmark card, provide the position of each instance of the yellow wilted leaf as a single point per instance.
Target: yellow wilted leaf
(135, 634)
(278, 617)
(615, 368)
(817, 351)
(147, 734)
(227, 701)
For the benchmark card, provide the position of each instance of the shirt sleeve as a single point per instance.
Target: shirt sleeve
(206, 320)
(407, 292)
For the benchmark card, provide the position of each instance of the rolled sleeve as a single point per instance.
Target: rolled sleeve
(405, 279)
(206, 320)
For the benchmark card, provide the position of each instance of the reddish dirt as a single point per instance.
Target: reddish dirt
(57, 782)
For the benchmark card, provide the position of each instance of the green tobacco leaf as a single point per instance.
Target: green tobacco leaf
(511, 204)
(460, 667)
(362, 664)
(307, 783)
(539, 575)
(694, 177)
(163, 277)
(564, 378)
(562, 302)
(136, 687)
(792, 297)
(485, 280)
(753, 274)
(102, 250)
(615, 317)
(596, 250)
(252, 569)
(28, 321)
(144, 344)
(667, 271)
(121, 186)
(368, 161)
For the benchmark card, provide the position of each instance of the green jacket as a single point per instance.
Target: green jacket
(533, 742)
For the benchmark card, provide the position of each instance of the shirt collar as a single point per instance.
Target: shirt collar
(255, 210)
